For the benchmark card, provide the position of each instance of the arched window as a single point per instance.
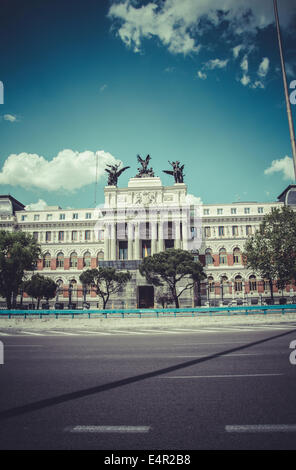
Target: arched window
(238, 284)
(236, 256)
(211, 284)
(209, 257)
(222, 256)
(224, 284)
(252, 283)
(86, 259)
(73, 284)
(100, 256)
(73, 260)
(60, 284)
(46, 260)
(60, 260)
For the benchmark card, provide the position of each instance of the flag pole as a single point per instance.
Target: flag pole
(288, 106)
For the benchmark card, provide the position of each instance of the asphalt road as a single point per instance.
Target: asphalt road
(180, 391)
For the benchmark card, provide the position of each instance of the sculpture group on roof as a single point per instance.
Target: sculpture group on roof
(144, 172)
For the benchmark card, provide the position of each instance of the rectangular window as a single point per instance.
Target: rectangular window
(219, 211)
(247, 210)
(146, 248)
(233, 210)
(88, 215)
(206, 211)
(48, 216)
(234, 230)
(87, 235)
(61, 236)
(75, 216)
(193, 232)
(36, 217)
(101, 235)
(35, 235)
(122, 250)
(260, 210)
(48, 236)
(74, 235)
(221, 231)
(62, 216)
(207, 232)
(23, 218)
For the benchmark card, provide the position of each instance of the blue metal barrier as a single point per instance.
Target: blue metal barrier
(156, 312)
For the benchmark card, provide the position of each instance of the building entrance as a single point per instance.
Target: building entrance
(145, 297)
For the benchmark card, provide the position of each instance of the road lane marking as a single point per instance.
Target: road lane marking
(261, 428)
(30, 333)
(108, 429)
(217, 376)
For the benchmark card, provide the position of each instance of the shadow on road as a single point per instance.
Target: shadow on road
(38, 405)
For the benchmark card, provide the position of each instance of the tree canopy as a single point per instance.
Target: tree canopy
(106, 281)
(172, 267)
(40, 287)
(19, 252)
(271, 251)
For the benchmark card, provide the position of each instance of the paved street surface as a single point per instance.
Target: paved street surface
(229, 387)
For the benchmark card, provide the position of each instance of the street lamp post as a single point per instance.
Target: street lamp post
(288, 106)
(70, 295)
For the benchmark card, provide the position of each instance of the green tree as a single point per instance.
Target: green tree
(107, 281)
(172, 267)
(271, 251)
(40, 287)
(19, 252)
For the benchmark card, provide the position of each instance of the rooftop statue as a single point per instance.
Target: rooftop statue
(114, 173)
(144, 172)
(177, 172)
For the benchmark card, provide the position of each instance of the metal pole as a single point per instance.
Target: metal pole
(288, 106)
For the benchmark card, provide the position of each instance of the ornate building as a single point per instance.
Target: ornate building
(139, 220)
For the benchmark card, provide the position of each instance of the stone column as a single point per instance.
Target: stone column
(137, 241)
(160, 236)
(153, 237)
(130, 236)
(106, 243)
(184, 234)
(113, 242)
(177, 234)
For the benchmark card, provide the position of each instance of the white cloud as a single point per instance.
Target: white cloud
(263, 67)
(245, 80)
(244, 64)
(177, 24)
(10, 117)
(216, 64)
(201, 75)
(40, 205)
(69, 170)
(236, 50)
(257, 84)
(282, 165)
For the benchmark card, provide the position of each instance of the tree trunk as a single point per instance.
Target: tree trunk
(271, 290)
(8, 300)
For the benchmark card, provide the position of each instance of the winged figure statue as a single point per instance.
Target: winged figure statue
(177, 171)
(114, 173)
(144, 171)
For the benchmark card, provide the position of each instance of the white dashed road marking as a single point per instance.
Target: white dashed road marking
(108, 429)
(261, 428)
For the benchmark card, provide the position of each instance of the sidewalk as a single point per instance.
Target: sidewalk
(132, 323)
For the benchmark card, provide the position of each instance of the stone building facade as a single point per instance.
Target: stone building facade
(142, 219)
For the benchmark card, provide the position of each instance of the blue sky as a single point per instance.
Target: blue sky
(176, 80)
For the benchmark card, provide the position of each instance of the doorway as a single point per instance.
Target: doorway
(145, 297)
